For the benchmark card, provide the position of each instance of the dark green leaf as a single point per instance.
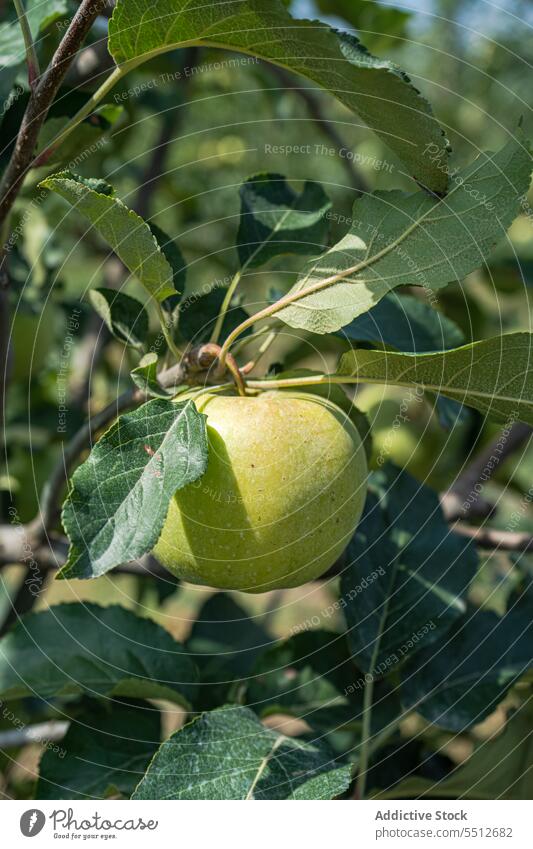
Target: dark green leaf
(127, 234)
(224, 643)
(451, 413)
(493, 376)
(459, 683)
(99, 651)
(125, 317)
(228, 754)
(499, 768)
(405, 323)
(307, 676)
(106, 749)
(399, 240)
(119, 497)
(174, 258)
(198, 314)
(408, 574)
(277, 220)
(335, 61)
(409, 324)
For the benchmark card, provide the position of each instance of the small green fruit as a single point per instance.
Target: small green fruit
(282, 495)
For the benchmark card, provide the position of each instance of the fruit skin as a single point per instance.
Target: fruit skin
(283, 492)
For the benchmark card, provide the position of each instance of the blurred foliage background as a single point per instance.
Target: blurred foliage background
(190, 127)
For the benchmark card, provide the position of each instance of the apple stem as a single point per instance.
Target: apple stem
(204, 357)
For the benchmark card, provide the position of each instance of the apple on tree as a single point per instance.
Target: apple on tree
(283, 492)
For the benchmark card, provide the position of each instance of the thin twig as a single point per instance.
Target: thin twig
(18, 544)
(496, 540)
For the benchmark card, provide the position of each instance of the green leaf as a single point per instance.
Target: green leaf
(40, 14)
(98, 651)
(377, 23)
(499, 768)
(408, 324)
(198, 314)
(119, 497)
(408, 574)
(144, 377)
(127, 234)
(416, 240)
(405, 323)
(277, 220)
(375, 89)
(174, 257)
(107, 748)
(228, 754)
(308, 676)
(84, 139)
(124, 316)
(493, 376)
(225, 642)
(461, 682)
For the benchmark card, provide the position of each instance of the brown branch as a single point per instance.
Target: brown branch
(18, 544)
(40, 101)
(32, 584)
(494, 539)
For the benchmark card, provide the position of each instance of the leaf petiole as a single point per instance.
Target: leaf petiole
(217, 330)
(166, 332)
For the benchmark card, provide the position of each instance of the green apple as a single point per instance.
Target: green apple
(282, 495)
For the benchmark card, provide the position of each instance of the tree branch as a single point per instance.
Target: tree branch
(40, 101)
(494, 539)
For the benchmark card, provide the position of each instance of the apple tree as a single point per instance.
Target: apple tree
(311, 428)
